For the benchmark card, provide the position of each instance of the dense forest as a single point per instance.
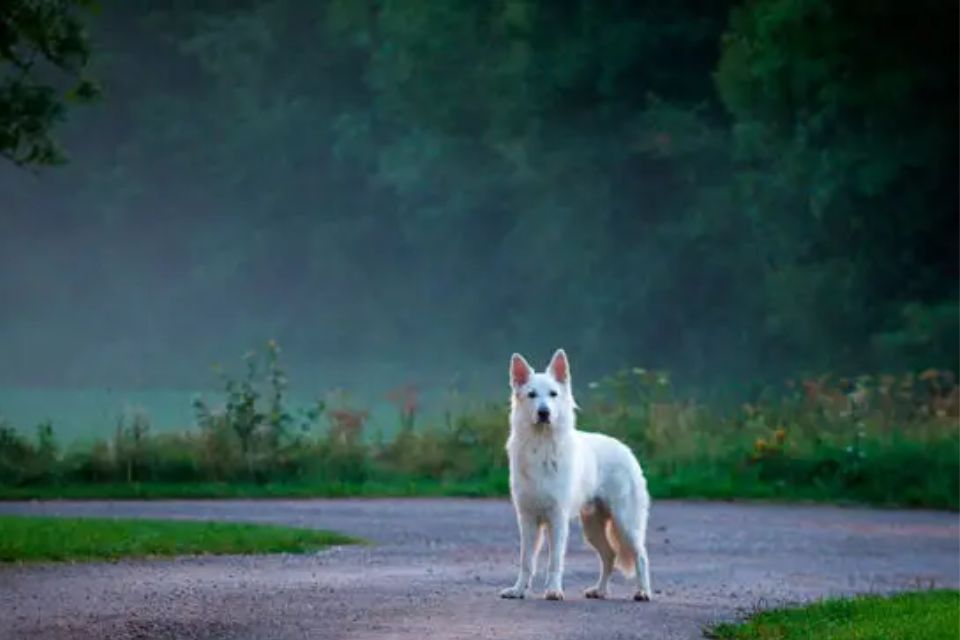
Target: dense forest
(732, 191)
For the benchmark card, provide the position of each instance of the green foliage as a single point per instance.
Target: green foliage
(44, 50)
(26, 462)
(469, 448)
(922, 331)
(847, 164)
(923, 615)
(255, 427)
(31, 539)
(307, 488)
(888, 440)
(735, 191)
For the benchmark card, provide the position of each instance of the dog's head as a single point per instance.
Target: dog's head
(542, 399)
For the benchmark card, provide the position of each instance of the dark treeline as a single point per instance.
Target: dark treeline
(728, 190)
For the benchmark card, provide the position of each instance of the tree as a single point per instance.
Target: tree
(845, 126)
(553, 139)
(44, 51)
(375, 182)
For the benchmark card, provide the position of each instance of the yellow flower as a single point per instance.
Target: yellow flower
(780, 435)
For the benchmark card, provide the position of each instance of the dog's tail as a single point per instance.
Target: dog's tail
(626, 558)
(626, 533)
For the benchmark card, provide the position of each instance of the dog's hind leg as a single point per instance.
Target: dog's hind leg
(636, 537)
(594, 522)
(643, 572)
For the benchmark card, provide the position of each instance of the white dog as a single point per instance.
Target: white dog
(557, 473)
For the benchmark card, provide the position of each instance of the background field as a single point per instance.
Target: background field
(885, 439)
(83, 415)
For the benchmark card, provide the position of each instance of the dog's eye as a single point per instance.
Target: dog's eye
(553, 394)
(531, 394)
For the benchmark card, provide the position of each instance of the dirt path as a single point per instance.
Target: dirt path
(437, 565)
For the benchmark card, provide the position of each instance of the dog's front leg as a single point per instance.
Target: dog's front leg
(558, 528)
(529, 548)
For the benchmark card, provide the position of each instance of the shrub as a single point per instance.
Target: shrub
(886, 439)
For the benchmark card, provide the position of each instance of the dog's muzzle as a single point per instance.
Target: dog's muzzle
(543, 416)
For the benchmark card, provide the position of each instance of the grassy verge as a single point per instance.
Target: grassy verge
(40, 538)
(914, 616)
(212, 490)
(705, 481)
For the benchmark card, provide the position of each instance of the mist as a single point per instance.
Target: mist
(401, 195)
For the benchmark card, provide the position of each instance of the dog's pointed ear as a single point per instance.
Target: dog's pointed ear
(520, 371)
(559, 367)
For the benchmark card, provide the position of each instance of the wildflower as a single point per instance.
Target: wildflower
(760, 445)
(780, 435)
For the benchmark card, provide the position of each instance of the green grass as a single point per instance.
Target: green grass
(928, 615)
(704, 481)
(30, 539)
(212, 490)
(898, 483)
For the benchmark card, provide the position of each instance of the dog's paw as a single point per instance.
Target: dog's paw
(641, 596)
(595, 594)
(512, 593)
(553, 594)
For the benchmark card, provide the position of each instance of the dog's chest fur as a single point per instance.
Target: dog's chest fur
(540, 469)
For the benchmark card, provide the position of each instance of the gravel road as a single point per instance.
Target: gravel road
(436, 565)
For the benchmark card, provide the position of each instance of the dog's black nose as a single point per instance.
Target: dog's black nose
(543, 415)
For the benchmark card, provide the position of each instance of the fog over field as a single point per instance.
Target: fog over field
(406, 194)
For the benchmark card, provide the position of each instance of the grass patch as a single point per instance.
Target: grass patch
(914, 616)
(213, 490)
(697, 481)
(30, 539)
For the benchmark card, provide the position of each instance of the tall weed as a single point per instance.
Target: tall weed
(885, 439)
